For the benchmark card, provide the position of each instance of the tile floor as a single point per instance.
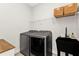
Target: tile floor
(19, 54)
(62, 54)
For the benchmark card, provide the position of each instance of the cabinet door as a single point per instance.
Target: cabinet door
(58, 12)
(70, 9)
(24, 44)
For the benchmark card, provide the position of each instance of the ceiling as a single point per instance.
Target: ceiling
(32, 4)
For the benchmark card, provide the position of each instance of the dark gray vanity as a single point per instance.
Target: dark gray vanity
(37, 43)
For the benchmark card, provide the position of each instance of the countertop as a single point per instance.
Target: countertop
(5, 46)
(39, 34)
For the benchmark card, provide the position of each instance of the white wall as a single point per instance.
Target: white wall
(43, 19)
(14, 19)
(17, 18)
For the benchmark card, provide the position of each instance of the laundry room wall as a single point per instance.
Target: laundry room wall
(14, 19)
(43, 19)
